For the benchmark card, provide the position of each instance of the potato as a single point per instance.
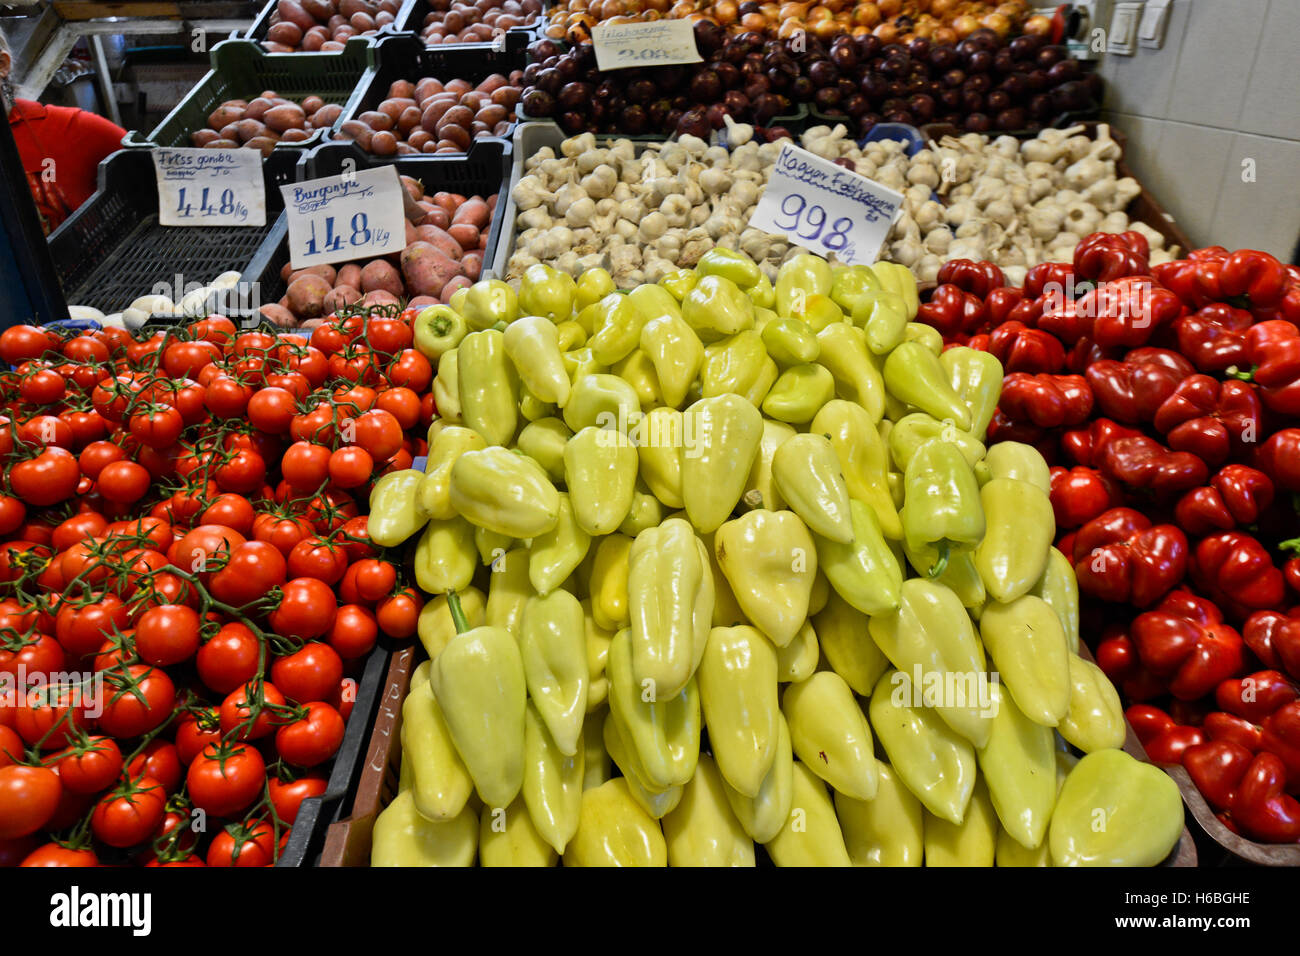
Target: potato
(376, 120)
(381, 297)
(349, 275)
(349, 7)
(431, 117)
(440, 239)
(379, 275)
(292, 11)
(318, 9)
(472, 265)
(425, 88)
(474, 99)
(421, 301)
(491, 115)
(263, 144)
(231, 131)
(307, 295)
(465, 235)
(406, 149)
(285, 117)
(295, 136)
(447, 201)
(493, 82)
(401, 90)
(408, 120)
(325, 271)
(278, 315)
(314, 39)
(362, 22)
(458, 136)
(310, 104)
(201, 137)
(224, 116)
(359, 131)
(460, 116)
(456, 283)
(474, 212)
(327, 115)
(340, 296)
(383, 143)
(335, 21)
(458, 86)
(412, 186)
(248, 129)
(427, 269)
(257, 108)
(331, 46)
(290, 34)
(447, 146)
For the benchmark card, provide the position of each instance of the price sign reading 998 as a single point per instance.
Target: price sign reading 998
(210, 187)
(358, 215)
(825, 208)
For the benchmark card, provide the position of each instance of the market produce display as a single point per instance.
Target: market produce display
(452, 21)
(888, 20)
(324, 26)
(264, 121)
(741, 541)
(981, 84)
(428, 116)
(444, 253)
(1164, 396)
(188, 586)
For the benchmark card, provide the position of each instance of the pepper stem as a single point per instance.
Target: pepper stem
(1292, 544)
(457, 612)
(940, 563)
(1233, 372)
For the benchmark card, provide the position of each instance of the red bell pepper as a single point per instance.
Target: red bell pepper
(1118, 659)
(1255, 696)
(1273, 349)
(1086, 445)
(1279, 458)
(1163, 738)
(1282, 737)
(1086, 352)
(1128, 311)
(1063, 319)
(1224, 726)
(1080, 494)
(1048, 401)
(1119, 556)
(1008, 304)
(1106, 256)
(1291, 570)
(1256, 275)
(1216, 767)
(1262, 808)
(1210, 419)
(1181, 278)
(1235, 497)
(1185, 640)
(1022, 349)
(1049, 278)
(1274, 638)
(1003, 427)
(978, 278)
(1237, 572)
(1214, 337)
(1143, 464)
(1131, 391)
(953, 312)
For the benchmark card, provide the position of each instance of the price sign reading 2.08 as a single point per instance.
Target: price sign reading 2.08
(357, 215)
(825, 208)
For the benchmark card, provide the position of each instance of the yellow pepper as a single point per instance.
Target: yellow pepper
(1019, 766)
(596, 765)
(738, 365)
(546, 292)
(491, 545)
(597, 642)
(790, 342)
(488, 386)
(507, 837)
(435, 626)
(552, 788)
(842, 636)
(1028, 647)
(857, 379)
(807, 474)
(653, 800)
(639, 372)
(556, 554)
(720, 437)
(1020, 529)
(488, 302)
(811, 835)
(609, 578)
(830, 734)
(445, 556)
(509, 591)
(797, 661)
(659, 444)
(553, 644)
(592, 286)
(738, 691)
(716, 307)
(446, 387)
(646, 512)
(503, 491)
(543, 441)
(1095, 719)
(676, 353)
(404, 837)
(533, 346)
(884, 831)
(763, 816)
(614, 831)
(702, 830)
(863, 459)
(617, 328)
(759, 487)
(799, 393)
(600, 469)
(863, 571)
(770, 561)
(798, 278)
(603, 400)
(440, 784)
(396, 512)
(973, 842)
(1060, 588)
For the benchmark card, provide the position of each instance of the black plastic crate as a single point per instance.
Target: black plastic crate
(262, 24)
(308, 833)
(483, 171)
(241, 69)
(112, 250)
(407, 58)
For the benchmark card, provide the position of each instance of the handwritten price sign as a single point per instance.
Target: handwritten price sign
(621, 46)
(355, 216)
(210, 187)
(825, 208)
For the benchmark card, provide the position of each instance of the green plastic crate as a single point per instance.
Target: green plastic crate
(241, 69)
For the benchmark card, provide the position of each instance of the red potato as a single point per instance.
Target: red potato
(493, 82)
(472, 265)
(320, 10)
(401, 90)
(224, 116)
(427, 269)
(293, 12)
(307, 295)
(412, 186)
(474, 212)
(284, 118)
(465, 235)
(426, 88)
(325, 271)
(359, 131)
(378, 275)
(257, 108)
(456, 136)
(286, 32)
(456, 283)
(278, 315)
(409, 120)
(491, 114)
(349, 7)
(249, 128)
(376, 120)
(201, 137)
(263, 144)
(335, 21)
(349, 275)
(432, 116)
(418, 138)
(507, 96)
(362, 22)
(331, 46)
(383, 143)
(295, 136)
(393, 107)
(327, 115)
(448, 201)
(339, 296)
(473, 100)
(231, 131)
(440, 239)
(310, 104)
(458, 86)
(313, 41)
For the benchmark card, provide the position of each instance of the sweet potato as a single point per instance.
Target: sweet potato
(401, 89)
(381, 297)
(327, 115)
(472, 264)
(379, 275)
(437, 217)
(357, 130)
(320, 10)
(474, 212)
(201, 137)
(383, 143)
(377, 120)
(421, 301)
(349, 274)
(293, 12)
(427, 269)
(310, 104)
(331, 46)
(286, 32)
(307, 295)
(440, 239)
(294, 135)
(457, 282)
(314, 39)
(221, 144)
(224, 116)
(284, 118)
(278, 315)
(263, 144)
(466, 235)
(340, 296)
(248, 128)
(325, 271)
(457, 136)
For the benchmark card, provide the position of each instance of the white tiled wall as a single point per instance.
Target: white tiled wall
(1218, 103)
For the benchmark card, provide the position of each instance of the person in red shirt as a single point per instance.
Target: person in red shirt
(60, 148)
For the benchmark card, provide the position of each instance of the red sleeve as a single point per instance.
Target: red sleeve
(77, 140)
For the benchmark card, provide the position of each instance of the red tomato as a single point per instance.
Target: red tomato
(229, 659)
(46, 430)
(246, 846)
(47, 479)
(89, 768)
(124, 482)
(379, 433)
(167, 634)
(196, 730)
(11, 746)
(157, 427)
(307, 608)
(316, 557)
(254, 568)
(282, 531)
(42, 387)
(21, 343)
(36, 654)
(81, 629)
(28, 798)
(351, 466)
(356, 539)
(160, 761)
(287, 798)
(137, 701)
(399, 614)
(128, 815)
(52, 714)
(354, 632)
(226, 397)
(243, 473)
(230, 511)
(375, 579)
(305, 465)
(402, 403)
(272, 409)
(313, 738)
(251, 720)
(78, 528)
(185, 359)
(311, 673)
(12, 514)
(205, 548)
(224, 781)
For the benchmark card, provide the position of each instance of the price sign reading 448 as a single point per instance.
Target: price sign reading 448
(357, 215)
(825, 208)
(207, 203)
(210, 187)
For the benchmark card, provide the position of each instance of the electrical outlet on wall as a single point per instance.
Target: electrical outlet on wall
(1155, 19)
(1122, 37)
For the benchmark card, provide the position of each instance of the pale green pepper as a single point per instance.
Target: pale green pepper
(1019, 766)
(396, 511)
(546, 292)
(790, 342)
(799, 394)
(488, 302)
(885, 831)
(488, 386)
(1028, 647)
(739, 365)
(603, 400)
(716, 308)
(533, 346)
